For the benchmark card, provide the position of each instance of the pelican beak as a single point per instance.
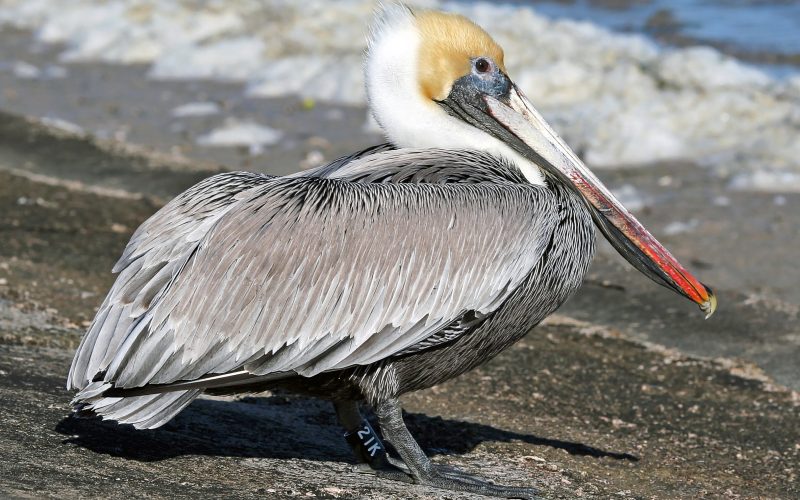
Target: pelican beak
(534, 139)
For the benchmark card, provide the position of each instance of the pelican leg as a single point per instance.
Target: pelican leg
(367, 445)
(394, 429)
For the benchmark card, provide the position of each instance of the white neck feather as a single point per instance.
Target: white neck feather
(408, 119)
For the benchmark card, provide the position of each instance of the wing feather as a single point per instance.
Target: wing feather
(307, 275)
(154, 256)
(248, 272)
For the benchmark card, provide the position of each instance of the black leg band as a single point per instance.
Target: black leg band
(367, 445)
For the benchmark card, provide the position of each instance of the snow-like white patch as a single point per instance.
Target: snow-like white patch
(232, 59)
(241, 133)
(63, 125)
(318, 77)
(26, 71)
(53, 72)
(195, 109)
(722, 201)
(630, 197)
(787, 182)
(679, 227)
(706, 68)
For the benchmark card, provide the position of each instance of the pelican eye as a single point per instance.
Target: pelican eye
(482, 65)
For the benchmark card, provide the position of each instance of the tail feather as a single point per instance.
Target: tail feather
(143, 412)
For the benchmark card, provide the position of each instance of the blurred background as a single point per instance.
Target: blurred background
(689, 110)
(628, 82)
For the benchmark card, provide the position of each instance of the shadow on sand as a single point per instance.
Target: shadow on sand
(282, 427)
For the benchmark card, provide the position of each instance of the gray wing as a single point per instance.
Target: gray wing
(155, 254)
(153, 258)
(306, 275)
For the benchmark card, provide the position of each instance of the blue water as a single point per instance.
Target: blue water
(750, 26)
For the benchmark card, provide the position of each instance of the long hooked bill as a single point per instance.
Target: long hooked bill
(540, 144)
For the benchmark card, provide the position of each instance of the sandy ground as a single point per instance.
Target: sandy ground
(627, 393)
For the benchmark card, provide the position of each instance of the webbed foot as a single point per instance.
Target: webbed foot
(423, 472)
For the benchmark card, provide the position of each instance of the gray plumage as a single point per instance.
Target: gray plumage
(381, 273)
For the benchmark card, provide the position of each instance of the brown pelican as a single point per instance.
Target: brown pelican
(385, 272)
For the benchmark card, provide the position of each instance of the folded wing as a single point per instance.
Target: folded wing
(305, 275)
(155, 254)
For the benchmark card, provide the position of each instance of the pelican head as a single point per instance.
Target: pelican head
(437, 80)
